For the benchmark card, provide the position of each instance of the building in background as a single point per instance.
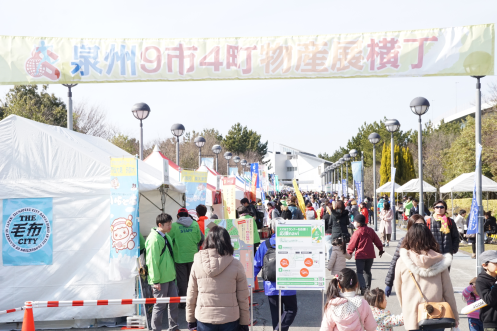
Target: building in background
(289, 163)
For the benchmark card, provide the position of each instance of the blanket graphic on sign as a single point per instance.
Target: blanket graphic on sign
(27, 228)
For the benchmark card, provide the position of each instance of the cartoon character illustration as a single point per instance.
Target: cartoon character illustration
(41, 62)
(122, 233)
(114, 183)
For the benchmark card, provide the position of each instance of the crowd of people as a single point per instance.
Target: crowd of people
(216, 288)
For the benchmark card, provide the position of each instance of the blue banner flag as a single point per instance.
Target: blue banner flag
(276, 183)
(254, 169)
(344, 187)
(27, 228)
(473, 215)
(357, 171)
(358, 186)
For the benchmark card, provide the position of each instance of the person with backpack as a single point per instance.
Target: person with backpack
(444, 229)
(265, 260)
(161, 271)
(252, 211)
(339, 221)
(296, 212)
(310, 212)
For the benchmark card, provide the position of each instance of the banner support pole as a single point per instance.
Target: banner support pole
(279, 310)
(251, 308)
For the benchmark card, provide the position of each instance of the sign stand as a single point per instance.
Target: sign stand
(279, 310)
(251, 308)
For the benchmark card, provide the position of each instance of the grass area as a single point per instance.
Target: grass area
(467, 248)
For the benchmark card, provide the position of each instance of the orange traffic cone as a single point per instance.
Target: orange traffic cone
(257, 289)
(28, 323)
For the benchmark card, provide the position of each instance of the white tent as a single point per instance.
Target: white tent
(387, 187)
(39, 160)
(413, 186)
(466, 183)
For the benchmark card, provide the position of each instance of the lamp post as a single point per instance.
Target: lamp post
(140, 111)
(227, 156)
(236, 159)
(177, 131)
(69, 105)
(346, 158)
(216, 149)
(243, 162)
(374, 138)
(420, 106)
(200, 142)
(340, 161)
(393, 126)
(353, 153)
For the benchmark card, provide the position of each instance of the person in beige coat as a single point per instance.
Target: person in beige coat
(386, 218)
(217, 295)
(419, 256)
(338, 255)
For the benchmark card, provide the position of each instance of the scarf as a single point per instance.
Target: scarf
(444, 226)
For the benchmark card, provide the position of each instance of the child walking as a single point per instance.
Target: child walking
(486, 288)
(345, 310)
(470, 295)
(338, 255)
(378, 301)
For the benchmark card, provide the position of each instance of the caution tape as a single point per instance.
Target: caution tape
(87, 303)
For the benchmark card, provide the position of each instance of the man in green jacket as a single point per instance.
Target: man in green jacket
(161, 272)
(186, 237)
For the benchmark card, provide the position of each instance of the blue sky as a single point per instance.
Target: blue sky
(312, 115)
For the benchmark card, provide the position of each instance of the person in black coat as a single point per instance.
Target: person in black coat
(339, 219)
(490, 226)
(444, 229)
(415, 209)
(485, 286)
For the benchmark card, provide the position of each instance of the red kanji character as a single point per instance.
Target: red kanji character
(312, 57)
(181, 58)
(347, 54)
(421, 49)
(274, 58)
(232, 52)
(388, 52)
(216, 64)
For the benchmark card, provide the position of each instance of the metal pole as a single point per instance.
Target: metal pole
(480, 238)
(177, 151)
(227, 167)
(420, 167)
(341, 177)
(392, 163)
(279, 310)
(199, 157)
(347, 179)
(375, 203)
(69, 105)
(252, 307)
(362, 177)
(217, 155)
(141, 140)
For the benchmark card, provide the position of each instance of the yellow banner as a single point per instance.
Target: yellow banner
(123, 166)
(299, 197)
(193, 176)
(467, 50)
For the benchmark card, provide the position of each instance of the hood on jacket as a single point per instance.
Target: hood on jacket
(310, 208)
(425, 265)
(186, 221)
(212, 263)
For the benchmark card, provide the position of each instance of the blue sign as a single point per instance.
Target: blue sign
(358, 186)
(28, 232)
(254, 169)
(473, 215)
(357, 171)
(344, 187)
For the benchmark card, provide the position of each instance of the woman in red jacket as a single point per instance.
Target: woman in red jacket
(362, 243)
(364, 211)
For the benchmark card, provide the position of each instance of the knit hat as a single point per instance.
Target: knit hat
(360, 219)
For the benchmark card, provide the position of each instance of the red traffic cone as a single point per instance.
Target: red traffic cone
(257, 289)
(28, 323)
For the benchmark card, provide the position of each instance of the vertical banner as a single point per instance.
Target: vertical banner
(254, 169)
(300, 262)
(276, 183)
(196, 188)
(299, 197)
(208, 162)
(233, 171)
(473, 223)
(229, 196)
(242, 239)
(124, 218)
(253, 189)
(344, 187)
(357, 171)
(358, 186)
(27, 228)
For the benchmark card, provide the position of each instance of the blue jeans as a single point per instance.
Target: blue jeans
(475, 324)
(231, 326)
(327, 244)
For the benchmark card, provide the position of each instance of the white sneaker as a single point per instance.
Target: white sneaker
(388, 244)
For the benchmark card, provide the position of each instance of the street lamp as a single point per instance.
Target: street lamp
(243, 162)
(346, 158)
(227, 156)
(420, 106)
(340, 162)
(393, 126)
(353, 153)
(236, 159)
(141, 111)
(200, 142)
(177, 131)
(374, 138)
(216, 149)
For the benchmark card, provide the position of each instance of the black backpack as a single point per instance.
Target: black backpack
(269, 263)
(286, 215)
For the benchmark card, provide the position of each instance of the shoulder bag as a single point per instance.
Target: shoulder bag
(434, 315)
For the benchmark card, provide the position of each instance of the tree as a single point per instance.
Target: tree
(122, 141)
(91, 120)
(40, 106)
(245, 142)
(402, 163)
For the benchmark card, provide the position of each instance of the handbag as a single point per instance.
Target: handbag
(434, 315)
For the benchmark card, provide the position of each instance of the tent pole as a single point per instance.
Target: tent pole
(452, 203)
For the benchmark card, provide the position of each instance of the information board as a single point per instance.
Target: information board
(300, 261)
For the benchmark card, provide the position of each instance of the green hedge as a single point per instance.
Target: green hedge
(466, 205)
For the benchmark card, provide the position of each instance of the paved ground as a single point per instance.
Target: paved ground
(310, 302)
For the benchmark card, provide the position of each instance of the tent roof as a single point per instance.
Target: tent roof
(156, 159)
(466, 183)
(387, 187)
(413, 186)
(40, 160)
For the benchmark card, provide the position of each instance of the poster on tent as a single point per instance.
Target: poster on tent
(124, 218)
(358, 186)
(242, 239)
(27, 228)
(300, 261)
(229, 196)
(196, 188)
(208, 162)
